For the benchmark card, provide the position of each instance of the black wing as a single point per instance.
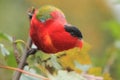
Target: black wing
(73, 31)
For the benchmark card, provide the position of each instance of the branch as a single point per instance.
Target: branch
(26, 52)
(25, 72)
(16, 53)
(109, 63)
(22, 61)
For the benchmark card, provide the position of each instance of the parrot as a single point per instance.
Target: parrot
(50, 31)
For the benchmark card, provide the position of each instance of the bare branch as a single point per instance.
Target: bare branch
(22, 61)
(26, 52)
(16, 53)
(25, 72)
(109, 63)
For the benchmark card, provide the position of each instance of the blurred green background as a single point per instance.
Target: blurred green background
(98, 20)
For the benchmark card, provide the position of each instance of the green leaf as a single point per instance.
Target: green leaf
(5, 36)
(114, 27)
(10, 60)
(83, 67)
(54, 62)
(64, 75)
(26, 77)
(4, 51)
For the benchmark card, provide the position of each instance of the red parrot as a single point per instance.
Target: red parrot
(50, 31)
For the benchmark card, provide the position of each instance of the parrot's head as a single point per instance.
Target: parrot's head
(48, 12)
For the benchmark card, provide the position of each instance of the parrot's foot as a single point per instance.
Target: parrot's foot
(32, 51)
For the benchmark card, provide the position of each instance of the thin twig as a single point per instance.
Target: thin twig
(25, 72)
(21, 41)
(22, 61)
(16, 53)
(109, 63)
(26, 52)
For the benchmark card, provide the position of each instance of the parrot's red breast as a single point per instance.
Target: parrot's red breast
(51, 36)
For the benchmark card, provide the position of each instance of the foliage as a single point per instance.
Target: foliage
(70, 64)
(96, 22)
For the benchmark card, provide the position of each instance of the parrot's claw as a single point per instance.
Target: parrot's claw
(32, 51)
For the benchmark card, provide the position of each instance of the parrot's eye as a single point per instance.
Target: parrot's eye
(44, 18)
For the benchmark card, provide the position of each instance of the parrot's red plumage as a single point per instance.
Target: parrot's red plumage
(48, 31)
